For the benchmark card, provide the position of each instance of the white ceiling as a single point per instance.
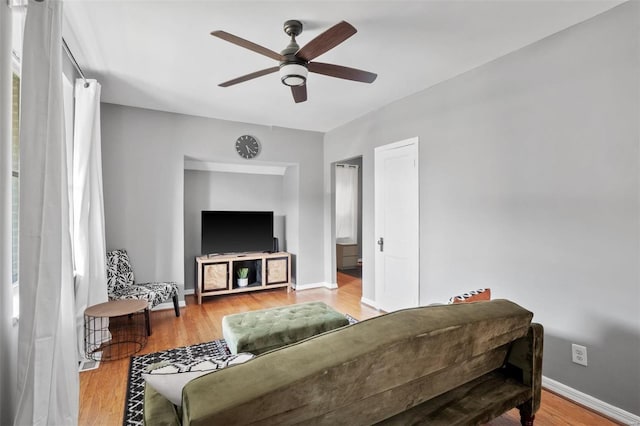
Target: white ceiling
(160, 55)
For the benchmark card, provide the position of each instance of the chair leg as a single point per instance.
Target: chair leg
(147, 318)
(176, 305)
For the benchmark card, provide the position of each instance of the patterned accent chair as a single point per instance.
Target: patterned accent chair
(121, 284)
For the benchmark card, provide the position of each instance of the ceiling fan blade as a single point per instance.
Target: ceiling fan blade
(251, 76)
(299, 93)
(326, 41)
(248, 45)
(339, 71)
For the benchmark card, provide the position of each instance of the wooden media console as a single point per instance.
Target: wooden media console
(218, 274)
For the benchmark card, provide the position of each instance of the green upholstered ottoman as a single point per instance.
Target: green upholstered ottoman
(261, 331)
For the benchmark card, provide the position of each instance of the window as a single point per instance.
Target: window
(18, 13)
(15, 177)
(347, 203)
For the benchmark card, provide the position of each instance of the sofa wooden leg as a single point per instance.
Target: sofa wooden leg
(176, 305)
(526, 419)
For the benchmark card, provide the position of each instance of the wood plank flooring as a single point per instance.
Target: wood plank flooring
(103, 391)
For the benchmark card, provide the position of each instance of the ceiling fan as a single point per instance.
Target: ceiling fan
(296, 62)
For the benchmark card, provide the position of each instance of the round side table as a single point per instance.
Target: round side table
(115, 329)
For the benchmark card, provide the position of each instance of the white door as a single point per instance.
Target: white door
(396, 225)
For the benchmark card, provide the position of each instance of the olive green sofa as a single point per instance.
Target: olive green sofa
(448, 365)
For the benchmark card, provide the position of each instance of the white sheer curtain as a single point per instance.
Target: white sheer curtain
(47, 368)
(89, 249)
(346, 203)
(7, 331)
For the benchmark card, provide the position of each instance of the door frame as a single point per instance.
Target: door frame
(414, 143)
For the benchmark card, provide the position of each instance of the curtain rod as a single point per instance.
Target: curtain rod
(74, 62)
(23, 4)
(347, 165)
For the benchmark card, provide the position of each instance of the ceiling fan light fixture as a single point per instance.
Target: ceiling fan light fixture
(293, 74)
(295, 62)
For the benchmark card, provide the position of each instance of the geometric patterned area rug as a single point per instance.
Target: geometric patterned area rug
(133, 410)
(133, 415)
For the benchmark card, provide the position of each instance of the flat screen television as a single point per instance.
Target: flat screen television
(236, 232)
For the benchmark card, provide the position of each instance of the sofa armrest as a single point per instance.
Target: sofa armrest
(158, 410)
(524, 363)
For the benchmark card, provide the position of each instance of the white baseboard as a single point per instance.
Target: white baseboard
(588, 401)
(169, 305)
(190, 291)
(330, 286)
(369, 302)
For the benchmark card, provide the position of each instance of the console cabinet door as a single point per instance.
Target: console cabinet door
(277, 270)
(215, 276)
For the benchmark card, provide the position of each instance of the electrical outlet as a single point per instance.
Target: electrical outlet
(579, 354)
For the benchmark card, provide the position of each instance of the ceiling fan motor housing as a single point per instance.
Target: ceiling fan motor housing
(293, 70)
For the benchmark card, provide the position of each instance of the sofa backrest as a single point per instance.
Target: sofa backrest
(363, 373)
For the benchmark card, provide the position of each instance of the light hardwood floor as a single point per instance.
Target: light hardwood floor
(103, 391)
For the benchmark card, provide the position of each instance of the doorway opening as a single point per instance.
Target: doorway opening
(348, 223)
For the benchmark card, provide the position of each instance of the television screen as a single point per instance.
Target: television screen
(236, 232)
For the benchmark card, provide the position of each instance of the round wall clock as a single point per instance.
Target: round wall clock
(247, 146)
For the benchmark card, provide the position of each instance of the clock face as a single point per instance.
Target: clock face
(247, 146)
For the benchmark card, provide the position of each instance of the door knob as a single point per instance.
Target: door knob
(381, 243)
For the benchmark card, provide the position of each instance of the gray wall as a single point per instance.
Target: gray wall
(204, 190)
(529, 185)
(143, 166)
